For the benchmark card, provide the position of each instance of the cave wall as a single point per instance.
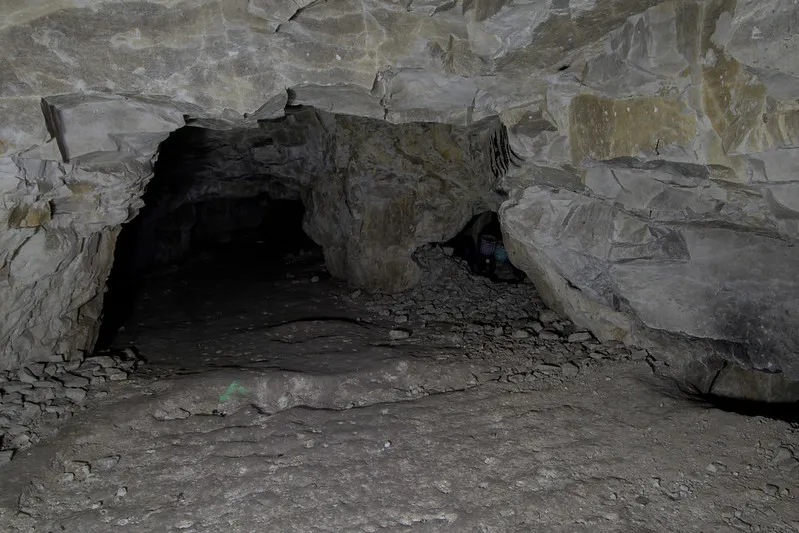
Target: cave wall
(61, 220)
(659, 195)
(661, 198)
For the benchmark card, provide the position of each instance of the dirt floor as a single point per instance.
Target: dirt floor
(276, 399)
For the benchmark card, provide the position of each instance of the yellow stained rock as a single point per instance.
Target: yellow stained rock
(605, 128)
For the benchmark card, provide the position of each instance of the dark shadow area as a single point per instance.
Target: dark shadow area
(199, 234)
(480, 244)
(683, 389)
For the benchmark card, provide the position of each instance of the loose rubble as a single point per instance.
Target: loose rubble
(507, 323)
(38, 397)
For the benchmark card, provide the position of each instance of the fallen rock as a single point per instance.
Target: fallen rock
(547, 335)
(570, 370)
(548, 316)
(581, 336)
(73, 381)
(399, 334)
(6, 456)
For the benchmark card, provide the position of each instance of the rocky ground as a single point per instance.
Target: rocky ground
(280, 400)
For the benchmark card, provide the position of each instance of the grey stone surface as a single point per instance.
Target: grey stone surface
(593, 454)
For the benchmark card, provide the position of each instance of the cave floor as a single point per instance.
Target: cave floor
(320, 409)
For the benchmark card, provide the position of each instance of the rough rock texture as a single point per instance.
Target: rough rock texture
(670, 205)
(660, 139)
(62, 219)
(35, 399)
(397, 188)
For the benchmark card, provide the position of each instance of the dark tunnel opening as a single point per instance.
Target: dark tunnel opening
(481, 245)
(199, 234)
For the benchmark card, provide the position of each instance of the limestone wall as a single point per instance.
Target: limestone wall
(668, 206)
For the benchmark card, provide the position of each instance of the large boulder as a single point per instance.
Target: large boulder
(395, 188)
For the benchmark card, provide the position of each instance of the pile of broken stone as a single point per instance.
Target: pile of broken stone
(450, 292)
(39, 396)
(507, 323)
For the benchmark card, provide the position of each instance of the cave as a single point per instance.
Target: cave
(438, 266)
(218, 250)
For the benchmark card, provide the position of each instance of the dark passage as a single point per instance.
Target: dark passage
(202, 229)
(480, 244)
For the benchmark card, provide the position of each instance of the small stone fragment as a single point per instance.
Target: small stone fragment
(80, 469)
(72, 365)
(25, 375)
(536, 326)
(47, 384)
(580, 336)
(116, 374)
(399, 334)
(104, 361)
(105, 463)
(548, 316)
(75, 395)
(73, 381)
(549, 335)
(10, 400)
(21, 441)
(570, 370)
(547, 368)
(38, 395)
(521, 334)
(15, 386)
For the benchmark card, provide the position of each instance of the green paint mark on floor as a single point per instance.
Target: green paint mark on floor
(233, 388)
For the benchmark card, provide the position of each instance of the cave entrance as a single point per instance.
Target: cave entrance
(212, 237)
(217, 269)
(481, 245)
